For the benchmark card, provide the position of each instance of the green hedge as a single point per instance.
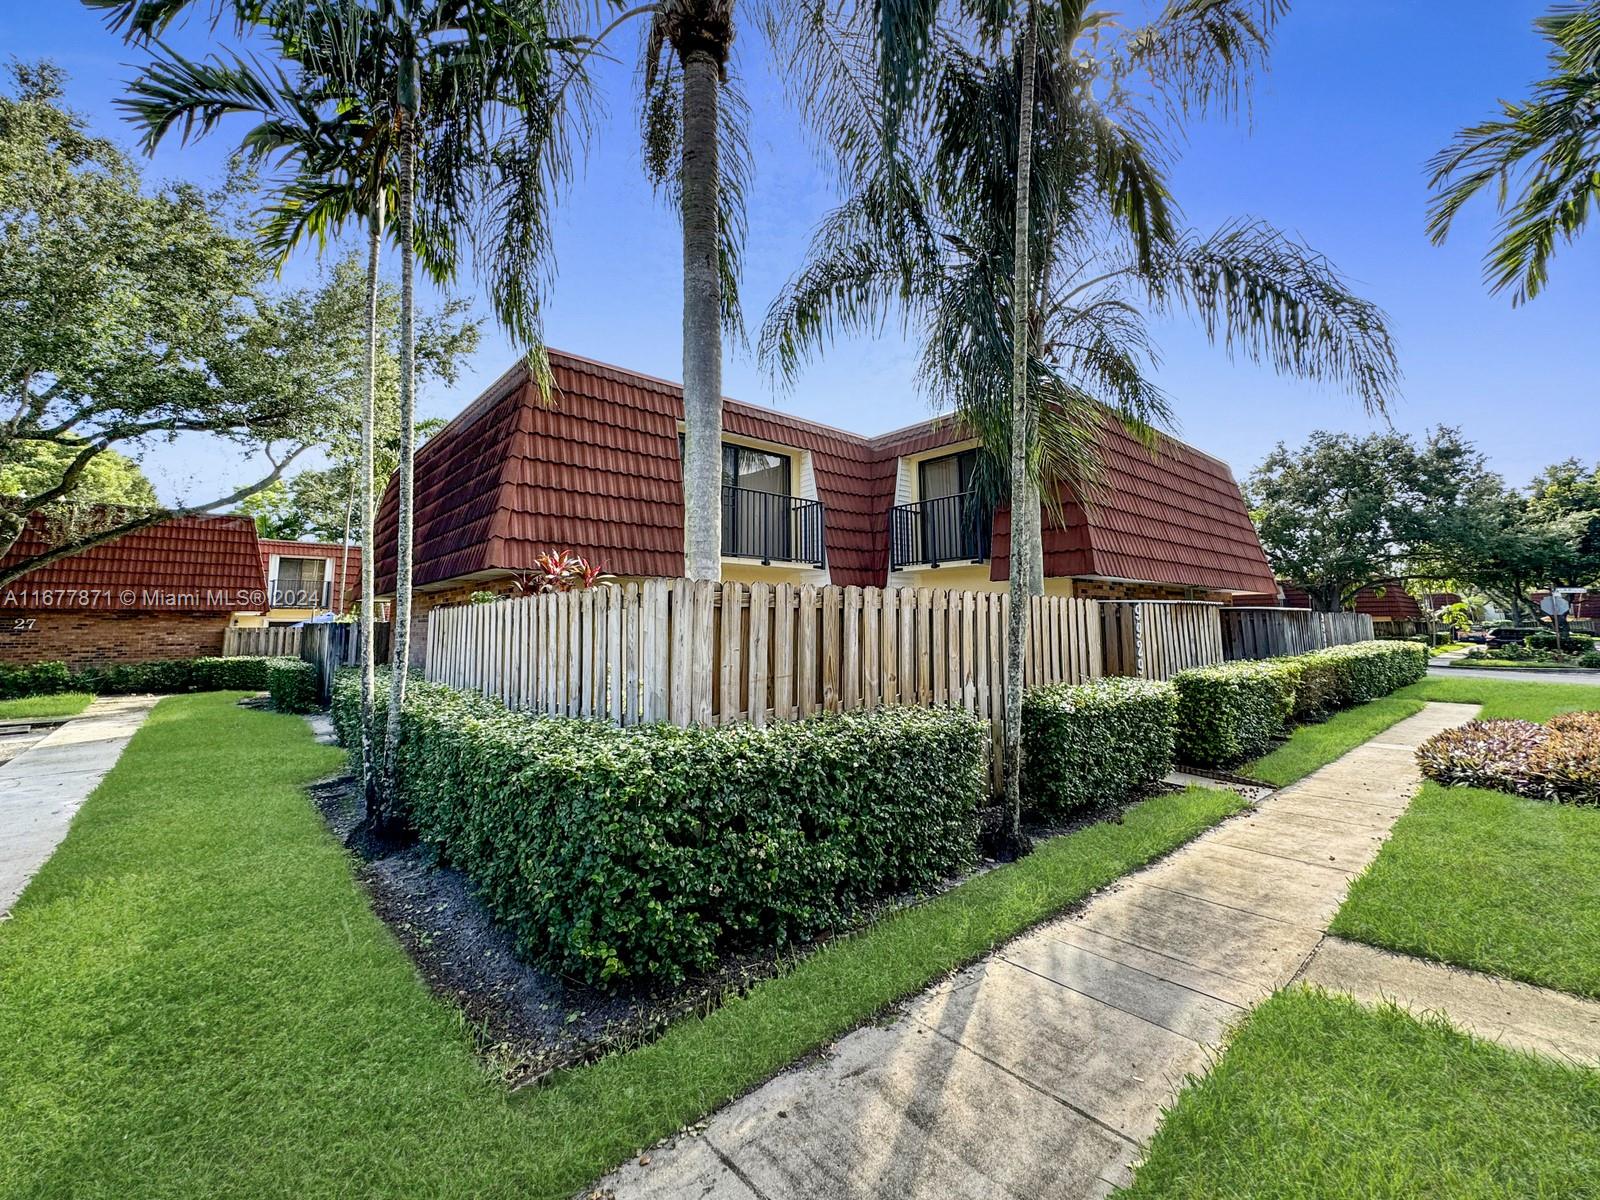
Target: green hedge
(644, 853)
(1344, 675)
(1231, 712)
(1087, 743)
(238, 674)
(37, 679)
(292, 684)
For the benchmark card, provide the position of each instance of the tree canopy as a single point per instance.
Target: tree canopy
(1343, 512)
(109, 479)
(129, 316)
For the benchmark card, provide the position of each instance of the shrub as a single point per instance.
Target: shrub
(1232, 712)
(1085, 743)
(1590, 658)
(38, 679)
(1556, 761)
(617, 854)
(241, 674)
(1574, 642)
(293, 685)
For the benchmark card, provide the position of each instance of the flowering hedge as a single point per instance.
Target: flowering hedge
(616, 854)
(1556, 761)
(1085, 743)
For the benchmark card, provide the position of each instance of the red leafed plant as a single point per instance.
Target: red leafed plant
(1555, 761)
(560, 571)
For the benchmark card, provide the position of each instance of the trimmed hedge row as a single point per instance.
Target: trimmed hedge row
(1085, 743)
(1232, 712)
(620, 854)
(292, 684)
(239, 674)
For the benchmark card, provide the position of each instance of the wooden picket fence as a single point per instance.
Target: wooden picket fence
(1269, 632)
(1155, 639)
(710, 653)
(271, 641)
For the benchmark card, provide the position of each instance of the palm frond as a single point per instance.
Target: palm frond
(1546, 150)
(1259, 292)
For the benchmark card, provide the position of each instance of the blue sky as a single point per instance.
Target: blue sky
(1360, 94)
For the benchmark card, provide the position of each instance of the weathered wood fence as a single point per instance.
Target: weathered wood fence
(269, 641)
(709, 653)
(1269, 632)
(1155, 639)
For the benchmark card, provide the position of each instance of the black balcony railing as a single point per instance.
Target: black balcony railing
(293, 593)
(949, 529)
(771, 527)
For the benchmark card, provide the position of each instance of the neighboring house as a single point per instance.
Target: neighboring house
(167, 591)
(1585, 606)
(306, 580)
(597, 470)
(1386, 602)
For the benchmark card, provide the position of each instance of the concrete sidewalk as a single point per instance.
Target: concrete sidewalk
(1042, 1070)
(45, 785)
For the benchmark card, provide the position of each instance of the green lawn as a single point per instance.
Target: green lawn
(1313, 746)
(1318, 1098)
(1487, 880)
(197, 997)
(1484, 879)
(1532, 701)
(63, 704)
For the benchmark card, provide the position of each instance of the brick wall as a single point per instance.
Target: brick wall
(89, 639)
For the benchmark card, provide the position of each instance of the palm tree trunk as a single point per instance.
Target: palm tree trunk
(369, 772)
(702, 320)
(408, 435)
(1024, 498)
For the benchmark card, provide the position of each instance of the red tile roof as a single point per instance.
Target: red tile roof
(1388, 599)
(346, 569)
(597, 471)
(210, 561)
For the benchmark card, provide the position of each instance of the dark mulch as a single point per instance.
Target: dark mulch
(526, 1020)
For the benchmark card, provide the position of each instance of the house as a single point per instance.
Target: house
(597, 470)
(306, 580)
(1394, 611)
(166, 591)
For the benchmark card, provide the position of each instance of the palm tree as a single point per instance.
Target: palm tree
(1103, 253)
(454, 95)
(1552, 141)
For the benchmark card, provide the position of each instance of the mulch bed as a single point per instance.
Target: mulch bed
(527, 1021)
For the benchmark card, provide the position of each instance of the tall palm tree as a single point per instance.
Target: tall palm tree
(1103, 252)
(1551, 140)
(451, 95)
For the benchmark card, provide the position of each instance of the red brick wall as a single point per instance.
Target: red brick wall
(87, 639)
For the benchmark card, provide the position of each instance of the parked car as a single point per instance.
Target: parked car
(1510, 635)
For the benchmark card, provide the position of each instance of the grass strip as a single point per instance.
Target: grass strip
(1530, 700)
(1318, 1098)
(197, 996)
(1312, 746)
(1487, 880)
(62, 704)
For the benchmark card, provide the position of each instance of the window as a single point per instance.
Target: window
(947, 476)
(298, 583)
(755, 470)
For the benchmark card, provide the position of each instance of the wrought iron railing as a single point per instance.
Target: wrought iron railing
(950, 529)
(772, 527)
(294, 593)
